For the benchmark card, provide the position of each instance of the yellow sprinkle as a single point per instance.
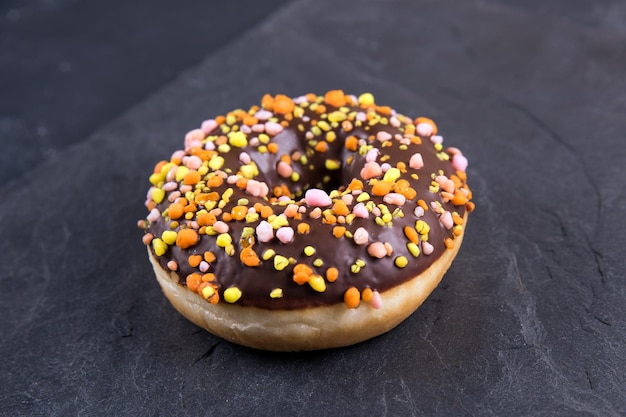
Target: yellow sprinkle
(216, 162)
(380, 221)
(264, 139)
(337, 116)
(267, 255)
(438, 147)
(413, 248)
(387, 217)
(181, 172)
(207, 292)
(252, 217)
(309, 251)
(223, 240)
(360, 262)
(366, 99)
(156, 178)
(262, 149)
(276, 293)
(280, 262)
(228, 193)
(237, 139)
(355, 268)
(232, 294)
(317, 283)
(316, 130)
(318, 262)
(158, 194)
(331, 136)
(249, 171)
(401, 261)
(363, 197)
(295, 177)
(223, 148)
(169, 237)
(422, 227)
(278, 222)
(323, 125)
(159, 246)
(391, 175)
(332, 164)
(230, 250)
(231, 119)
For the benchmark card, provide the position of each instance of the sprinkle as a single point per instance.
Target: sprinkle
(285, 234)
(372, 155)
(361, 236)
(317, 198)
(371, 170)
(268, 254)
(318, 262)
(186, 238)
(276, 293)
(395, 199)
(159, 247)
(172, 265)
(264, 231)
(352, 297)
(401, 261)
(446, 220)
(366, 99)
(280, 262)
(377, 301)
(204, 266)
(169, 237)
(459, 162)
(377, 250)
(366, 294)
(309, 250)
(416, 161)
(339, 231)
(317, 283)
(335, 98)
(422, 227)
(332, 274)
(157, 195)
(383, 136)
(303, 228)
(391, 175)
(413, 249)
(232, 294)
(216, 162)
(332, 164)
(273, 129)
(223, 240)
(427, 248)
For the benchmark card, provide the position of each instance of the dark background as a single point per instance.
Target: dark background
(530, 319)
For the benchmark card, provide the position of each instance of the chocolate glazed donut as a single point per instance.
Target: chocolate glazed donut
(306, 223)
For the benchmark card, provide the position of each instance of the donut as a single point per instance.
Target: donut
(306, 223)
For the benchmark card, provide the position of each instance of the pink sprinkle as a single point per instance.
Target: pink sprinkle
(244, 158)
(377, 250)
(173, 196)
(285, 234)
(394, 121)
(254, 141)
(291, 210)
(453, 151)
(194, 144)
(315, 197)
(221, 227)
(192, 162)
(204, 266)
(284, 198)
(245, 129)
(446, 184)
(416, 161)
(383, 136)
(424, 129)
(371, 170)
(385, 167)
(436, 139)
(195, 135)
(371, 155)
(360, 211)
(395, 199)
(348, 199)
(257, 188)
(446, 220)
(376, 301)
(178, 155)
(171, 174)
(459, 162)
(264, 232)
(316, 213)
(154, 215)
(232, 179)
(361, 116)
(209, 146)
(172, 265)
(170, 186)
(361, 236)
(208, 126)
(185, 188)
(258, 128)
(427, 248)
(419, 211)
(284, 169)
(263, 114)
(272, 128)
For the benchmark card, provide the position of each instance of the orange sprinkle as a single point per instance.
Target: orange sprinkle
(422, 204)
(332, 274)
(267, 102)
(220, 119)
(194, 260)
(193, 281)
(310, 97)
(386, 110)
(206, 219)
(266, 211)
(401, 166)
(381, 188)
(321, 109)
(470, 206)
(367, 294)
(239, 212)
(340, 208)
(459, 198)
(227, 217)
(428, 121)
(335, 98)
(322, 146)
(352, 297)
(301, 273)
(250, 120)
(190, 208)
(456, 217)
(355, 184)
(283, 104)
(159, 166)
(214, 181)
(249, 257)
(208, 277)
(449, 243)
(242, 183)
(339, 231)
(192, 178)
(186, 238)
(209, 256)
(329, 219)
(352, 143)
(304, 228)
(257, 207)
(272, 147)
(411, 234)
(175, 211)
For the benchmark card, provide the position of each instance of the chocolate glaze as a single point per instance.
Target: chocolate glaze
(256, 283)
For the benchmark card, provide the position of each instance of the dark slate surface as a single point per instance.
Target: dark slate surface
(530, 320)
